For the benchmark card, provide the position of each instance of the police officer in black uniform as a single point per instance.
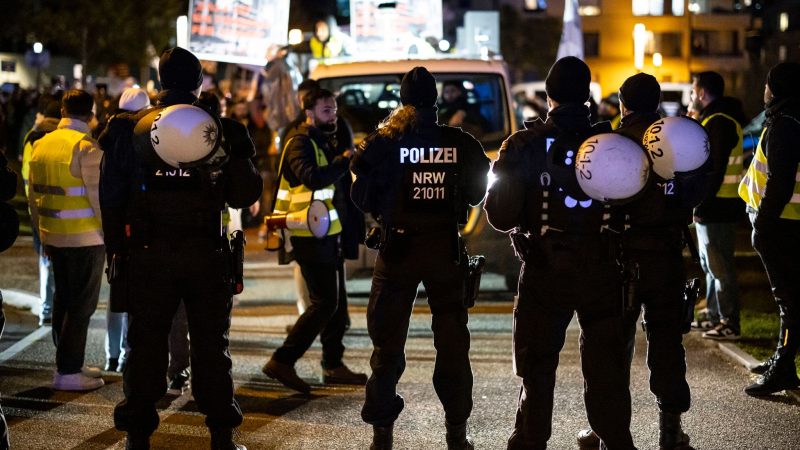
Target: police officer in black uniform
(568, 266)
(417, 179)
(163, 237)
(652, 247)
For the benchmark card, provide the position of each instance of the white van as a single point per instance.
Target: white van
(368, 91)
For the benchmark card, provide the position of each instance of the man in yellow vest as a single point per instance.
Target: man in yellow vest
(63, 187)
(716, 216)
(771, 189)
(309, 170)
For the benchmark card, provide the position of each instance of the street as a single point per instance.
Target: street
(722, 417)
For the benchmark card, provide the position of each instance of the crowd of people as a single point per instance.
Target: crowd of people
(108, 182)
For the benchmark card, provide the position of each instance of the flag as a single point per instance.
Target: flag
(571, 35)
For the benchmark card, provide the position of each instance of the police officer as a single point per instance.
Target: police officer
(772, 192)
(310, 170)
(417, 179)
(567, 266)
(165, 244)
(652, 248)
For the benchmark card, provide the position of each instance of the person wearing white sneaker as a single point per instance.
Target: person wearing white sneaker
(64, 202)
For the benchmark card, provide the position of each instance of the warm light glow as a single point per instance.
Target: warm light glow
(589, 10)
(784, 21)
(657, 59)
(38, 47)
(295, 36)
(639, 44)
(182, 31)
(694, 7)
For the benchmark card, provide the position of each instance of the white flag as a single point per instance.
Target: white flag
(571, 36)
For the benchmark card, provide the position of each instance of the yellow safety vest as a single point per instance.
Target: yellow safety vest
(754, 184)
(292, 199)
(733, 173)
(330, 49)
(61, 199)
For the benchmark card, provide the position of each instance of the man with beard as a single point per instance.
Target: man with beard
(309, 170)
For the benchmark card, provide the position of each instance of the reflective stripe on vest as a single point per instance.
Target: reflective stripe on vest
(60, 198)
(733, 172)
(292, 199)
(754, 184)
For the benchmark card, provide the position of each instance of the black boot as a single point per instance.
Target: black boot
(137, 442)
(381, 438)
(782, 373)
(671, 436)
(457, 438)
(222, 439)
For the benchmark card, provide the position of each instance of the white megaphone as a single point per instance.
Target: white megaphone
(314, 218)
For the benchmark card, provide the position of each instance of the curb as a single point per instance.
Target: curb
(743, 358)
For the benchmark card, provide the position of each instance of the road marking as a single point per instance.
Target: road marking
(23, 343)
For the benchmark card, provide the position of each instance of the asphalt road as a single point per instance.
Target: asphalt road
(722, 417)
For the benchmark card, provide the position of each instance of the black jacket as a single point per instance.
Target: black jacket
(521, 174)
(171, 202)
(382, 189)
(783, 157)
(353, 227)
(300, 167)
(722, 140)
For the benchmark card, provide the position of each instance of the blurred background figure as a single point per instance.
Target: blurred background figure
(608, 110)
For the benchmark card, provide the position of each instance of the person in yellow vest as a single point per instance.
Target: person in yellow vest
(716, 216)
(63, 185)
(309, 170)
(47, 119)
(771, 189)
(325, 43)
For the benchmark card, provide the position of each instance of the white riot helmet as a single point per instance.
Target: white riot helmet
(676, 144)
(611, 168)
(185, 135)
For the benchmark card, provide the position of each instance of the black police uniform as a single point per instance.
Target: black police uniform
(568, 266)
(418, 186)
(652, 249)
(167, 224)
(320, 260)
(9, 229)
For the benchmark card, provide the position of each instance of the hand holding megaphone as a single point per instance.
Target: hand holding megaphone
(314, 218)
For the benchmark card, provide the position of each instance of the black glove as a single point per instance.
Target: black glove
(237, 142)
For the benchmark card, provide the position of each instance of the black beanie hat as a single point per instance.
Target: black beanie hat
(568, 81)
(180, 69)
(782, 80)
(640, 93)
(418, 88)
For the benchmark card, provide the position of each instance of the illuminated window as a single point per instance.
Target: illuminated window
(717, 6)
(658, 7)
(784, 21)
(589, 7)
(535, 5)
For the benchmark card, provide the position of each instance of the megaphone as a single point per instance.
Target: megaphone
(314, 218)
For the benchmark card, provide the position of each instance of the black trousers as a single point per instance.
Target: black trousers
(77, 271)
(660, 294)
(571, 275)
(160, 277)
(325, 317)
(778, 245)
(426, 259)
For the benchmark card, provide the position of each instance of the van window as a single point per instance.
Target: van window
(474, 102)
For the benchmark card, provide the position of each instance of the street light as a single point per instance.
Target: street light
(657, 60)
(37, 47)
(182, 31)
(295, 36)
